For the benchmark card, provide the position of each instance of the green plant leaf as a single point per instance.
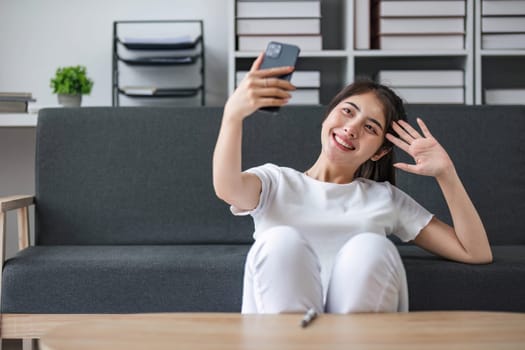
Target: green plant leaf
(71, 80)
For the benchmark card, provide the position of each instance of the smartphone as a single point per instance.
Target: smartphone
(279, 55)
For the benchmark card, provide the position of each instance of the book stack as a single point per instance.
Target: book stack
(505, 96)
(306, 82)
(426, 86)
(418, 24)
(503, 24)
(15, 102)
(362, 24)
(291, 22)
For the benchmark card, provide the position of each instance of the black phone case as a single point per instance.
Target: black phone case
(287, 56)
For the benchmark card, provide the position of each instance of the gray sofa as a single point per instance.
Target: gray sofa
(126, 219)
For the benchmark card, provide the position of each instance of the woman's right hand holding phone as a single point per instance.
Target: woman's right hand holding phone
(259, 88)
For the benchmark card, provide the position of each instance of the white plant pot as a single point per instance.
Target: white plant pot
(70, 100)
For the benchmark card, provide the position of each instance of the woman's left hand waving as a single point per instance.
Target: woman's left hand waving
(430, 157)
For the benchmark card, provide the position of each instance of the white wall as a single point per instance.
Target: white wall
(37, 36)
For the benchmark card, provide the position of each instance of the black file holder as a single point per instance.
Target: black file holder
(170, 51)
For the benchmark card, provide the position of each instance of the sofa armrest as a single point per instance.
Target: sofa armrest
(21, 204)
(15, 202)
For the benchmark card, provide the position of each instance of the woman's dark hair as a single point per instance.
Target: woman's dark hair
(382, 169)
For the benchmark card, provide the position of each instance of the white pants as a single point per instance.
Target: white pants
(282, 274)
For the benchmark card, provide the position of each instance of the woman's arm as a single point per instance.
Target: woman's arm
(258, 89)
(467, 240)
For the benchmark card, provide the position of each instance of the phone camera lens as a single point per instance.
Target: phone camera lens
(273, 50)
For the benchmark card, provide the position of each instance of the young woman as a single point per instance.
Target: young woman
(320, 234)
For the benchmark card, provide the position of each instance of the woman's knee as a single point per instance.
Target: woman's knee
(367, 276)
(282, 273)
(284, 243)
(369, 250)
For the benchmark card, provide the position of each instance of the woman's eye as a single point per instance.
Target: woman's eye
(371, 129)
(347, 111)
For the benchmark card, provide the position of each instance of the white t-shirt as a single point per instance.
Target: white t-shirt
(329, 214)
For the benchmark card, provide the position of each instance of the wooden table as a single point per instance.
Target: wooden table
(415, 330)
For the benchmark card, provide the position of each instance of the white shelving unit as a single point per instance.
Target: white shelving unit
(495, 69)
(332, 62)
(340, 63)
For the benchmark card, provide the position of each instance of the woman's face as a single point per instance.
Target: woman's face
(354, 131)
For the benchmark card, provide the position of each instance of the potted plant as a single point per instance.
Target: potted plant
(70, 83)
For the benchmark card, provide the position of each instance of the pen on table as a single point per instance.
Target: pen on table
(308, 317)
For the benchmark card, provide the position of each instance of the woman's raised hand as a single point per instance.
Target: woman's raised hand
(430, 157)
(259, 88)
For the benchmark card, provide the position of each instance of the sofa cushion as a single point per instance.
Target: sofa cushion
(438, 284)
(128, 279)
(124, 279)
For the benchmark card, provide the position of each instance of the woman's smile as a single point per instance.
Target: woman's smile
(345, 145)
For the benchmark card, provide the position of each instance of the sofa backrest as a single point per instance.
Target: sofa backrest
(487, 146)
(130, 176)
(144, 175)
